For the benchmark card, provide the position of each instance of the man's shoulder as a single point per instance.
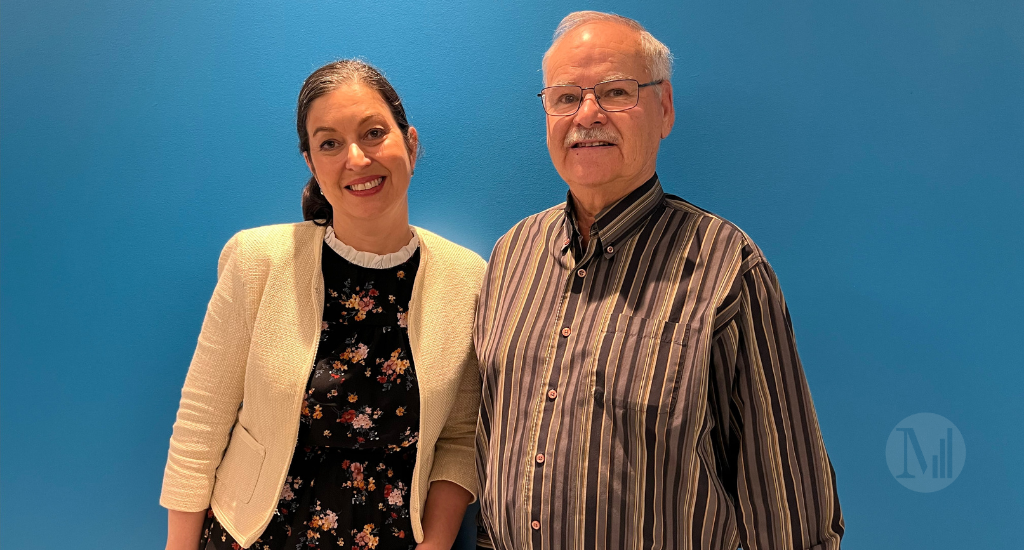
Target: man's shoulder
(534, 223)
(725, 231)
(555, 213)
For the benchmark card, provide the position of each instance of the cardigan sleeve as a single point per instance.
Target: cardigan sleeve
(212, 393)
(455, 450)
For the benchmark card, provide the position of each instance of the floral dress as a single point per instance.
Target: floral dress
(349, 480)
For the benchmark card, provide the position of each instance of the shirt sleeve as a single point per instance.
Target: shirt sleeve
(482, 327)
(773, 456)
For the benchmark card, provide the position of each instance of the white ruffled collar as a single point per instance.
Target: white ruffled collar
(369, 259)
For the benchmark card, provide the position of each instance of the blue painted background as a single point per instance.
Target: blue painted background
(874, 149)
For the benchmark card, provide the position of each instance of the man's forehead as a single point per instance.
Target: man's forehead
(603, 32)
(590, 70)
(594, 52)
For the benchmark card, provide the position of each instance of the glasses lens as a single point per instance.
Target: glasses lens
(562, 100)
(617, 95)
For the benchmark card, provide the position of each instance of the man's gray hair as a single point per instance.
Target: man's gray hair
(656, 55)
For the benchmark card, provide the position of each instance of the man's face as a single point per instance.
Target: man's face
(628, 140)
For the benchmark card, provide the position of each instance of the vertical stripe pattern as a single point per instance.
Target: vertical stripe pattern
(644, 392)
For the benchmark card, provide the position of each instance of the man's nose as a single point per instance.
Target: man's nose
(356, 158)
(590, 112)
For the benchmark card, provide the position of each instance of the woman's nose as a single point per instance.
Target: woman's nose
(356, 157)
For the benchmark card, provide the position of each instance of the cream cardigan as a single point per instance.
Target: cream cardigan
(238, 420)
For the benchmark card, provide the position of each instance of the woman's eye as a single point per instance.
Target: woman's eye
(328, 144)
(376, 133)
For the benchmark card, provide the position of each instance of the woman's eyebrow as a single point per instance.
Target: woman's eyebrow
(373, 116)
(364, 120)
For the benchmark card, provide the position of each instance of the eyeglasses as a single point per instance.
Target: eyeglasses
(611, 95)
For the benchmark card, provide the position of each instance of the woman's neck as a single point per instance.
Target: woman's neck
(376, 238)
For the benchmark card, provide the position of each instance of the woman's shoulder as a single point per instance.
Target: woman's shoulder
(275, 240)
(449, 254)
(259, 251)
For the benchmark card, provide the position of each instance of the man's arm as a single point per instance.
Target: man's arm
(485, 311)
(783, 481)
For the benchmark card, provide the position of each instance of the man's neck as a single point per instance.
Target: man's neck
(589, 202)
(584, 221)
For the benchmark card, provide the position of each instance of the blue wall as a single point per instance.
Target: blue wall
(874, 149)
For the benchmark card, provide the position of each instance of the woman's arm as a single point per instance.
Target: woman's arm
(184, 529)
(442, 515)
(209, 403)
(453, 476)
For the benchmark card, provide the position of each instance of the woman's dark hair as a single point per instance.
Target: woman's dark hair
(323, 81)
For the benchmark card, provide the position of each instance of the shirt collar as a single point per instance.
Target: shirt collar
(618, 220)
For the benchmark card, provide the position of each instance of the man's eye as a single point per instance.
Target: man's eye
(567, 99)
(615, 92)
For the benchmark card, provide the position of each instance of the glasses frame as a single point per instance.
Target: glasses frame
(583, 93)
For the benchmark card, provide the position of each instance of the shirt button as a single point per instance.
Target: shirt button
(540, 459)
(610, 249)
(552, 394)
(535, 524)
(582, 273)
(566, 331)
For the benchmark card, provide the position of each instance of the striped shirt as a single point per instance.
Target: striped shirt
(644, 392)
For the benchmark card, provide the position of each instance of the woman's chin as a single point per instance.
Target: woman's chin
(370, 214)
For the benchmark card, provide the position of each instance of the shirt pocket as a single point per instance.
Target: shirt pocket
(240, 468)
(637, 367)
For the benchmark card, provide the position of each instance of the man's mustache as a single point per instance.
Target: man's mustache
(594, 133)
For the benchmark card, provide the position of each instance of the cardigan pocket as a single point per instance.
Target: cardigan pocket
(240, 469)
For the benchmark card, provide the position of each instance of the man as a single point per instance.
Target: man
(641, 385)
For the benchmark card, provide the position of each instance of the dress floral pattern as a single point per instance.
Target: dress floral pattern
(348, 484)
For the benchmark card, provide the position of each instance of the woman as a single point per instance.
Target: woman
(333, 395)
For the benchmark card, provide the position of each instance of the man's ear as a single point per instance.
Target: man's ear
(668, 109)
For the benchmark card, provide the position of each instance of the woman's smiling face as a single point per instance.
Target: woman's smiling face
(358, 154)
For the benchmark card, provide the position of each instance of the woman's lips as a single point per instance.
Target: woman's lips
(363, 187)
